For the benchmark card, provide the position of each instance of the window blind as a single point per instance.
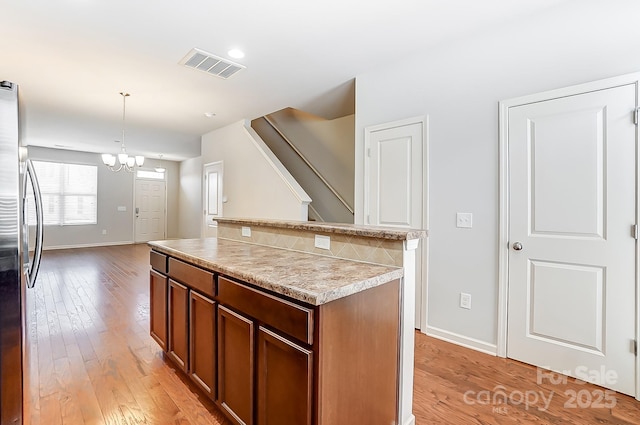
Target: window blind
(69, 193)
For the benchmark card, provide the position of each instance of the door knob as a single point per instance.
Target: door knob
(517, 246)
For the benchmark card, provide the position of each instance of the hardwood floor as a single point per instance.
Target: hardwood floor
(93, 361)
(456, 385)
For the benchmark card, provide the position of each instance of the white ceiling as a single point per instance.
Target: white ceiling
(72, 58)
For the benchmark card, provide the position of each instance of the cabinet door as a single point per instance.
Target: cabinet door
(158, 306)
(202, 335)
(235, 365)
(285, 383)
(178, 324)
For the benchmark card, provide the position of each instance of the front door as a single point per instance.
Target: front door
(572, 251)
(397, 185)
(150, 210)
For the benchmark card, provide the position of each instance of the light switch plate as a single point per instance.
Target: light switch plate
(464, 220)
(465, 300)
(246, 231)
(322, 242)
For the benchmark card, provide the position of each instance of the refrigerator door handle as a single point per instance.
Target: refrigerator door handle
(32, 269)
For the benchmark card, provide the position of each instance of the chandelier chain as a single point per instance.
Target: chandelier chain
(126, 162)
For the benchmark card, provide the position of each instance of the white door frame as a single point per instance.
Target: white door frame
(503, 240)
(423, 120)
(205, 195)
(135, 184)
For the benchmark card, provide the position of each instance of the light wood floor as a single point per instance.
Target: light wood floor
(93, 361)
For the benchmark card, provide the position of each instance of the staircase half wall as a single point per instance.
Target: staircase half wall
(318, 156)
(255, 183)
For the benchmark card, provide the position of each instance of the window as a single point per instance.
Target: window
(69, 193)
(146, 174)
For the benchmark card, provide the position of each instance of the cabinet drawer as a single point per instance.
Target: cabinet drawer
(194, 277)
(158, 261)
(290, 318)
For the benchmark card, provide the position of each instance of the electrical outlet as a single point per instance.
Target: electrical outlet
(104, 231)
(246, 231)
(465, 300)
(322, 242)
(464, 220)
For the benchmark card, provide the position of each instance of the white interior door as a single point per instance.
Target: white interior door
(150, 210)
(572, 254)
(213, 196)
(396, 187)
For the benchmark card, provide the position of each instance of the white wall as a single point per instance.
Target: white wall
(114, 190)
(459, 86)
(252, 186)
(173, 191)
(190, 198)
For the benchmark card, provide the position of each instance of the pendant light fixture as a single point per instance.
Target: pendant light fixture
(125, 162)
(160, 169)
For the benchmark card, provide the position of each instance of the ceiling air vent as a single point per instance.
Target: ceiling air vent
(211, 64)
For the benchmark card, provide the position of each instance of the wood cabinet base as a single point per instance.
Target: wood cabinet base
(358, 355)
(267, 360)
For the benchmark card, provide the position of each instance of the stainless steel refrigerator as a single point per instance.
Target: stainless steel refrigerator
(18, 267)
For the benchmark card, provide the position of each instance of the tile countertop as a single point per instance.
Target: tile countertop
(378, 232)
(313, 279)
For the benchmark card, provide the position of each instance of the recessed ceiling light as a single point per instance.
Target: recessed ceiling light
(209, 114)
(236, 53)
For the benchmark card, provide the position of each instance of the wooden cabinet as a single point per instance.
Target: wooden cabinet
(235, 365)
(284, 368)
(357, 358)
(183, 317)
(158, 287)
(285, 381)
(291, 319)
(178, 310)
(202, 337)
(195, 277)
(269, 360)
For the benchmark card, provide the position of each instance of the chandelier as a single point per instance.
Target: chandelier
(125, 162)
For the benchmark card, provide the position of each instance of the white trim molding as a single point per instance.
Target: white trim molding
(90, 245)
(407, 332)
(464, 341)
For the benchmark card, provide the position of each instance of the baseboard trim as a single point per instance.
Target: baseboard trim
(87, 245)
(462, 340)
(411, 420)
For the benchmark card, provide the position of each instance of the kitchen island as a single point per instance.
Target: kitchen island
(276, 335)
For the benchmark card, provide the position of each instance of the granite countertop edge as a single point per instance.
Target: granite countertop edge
(315, 298)
(379, 232)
